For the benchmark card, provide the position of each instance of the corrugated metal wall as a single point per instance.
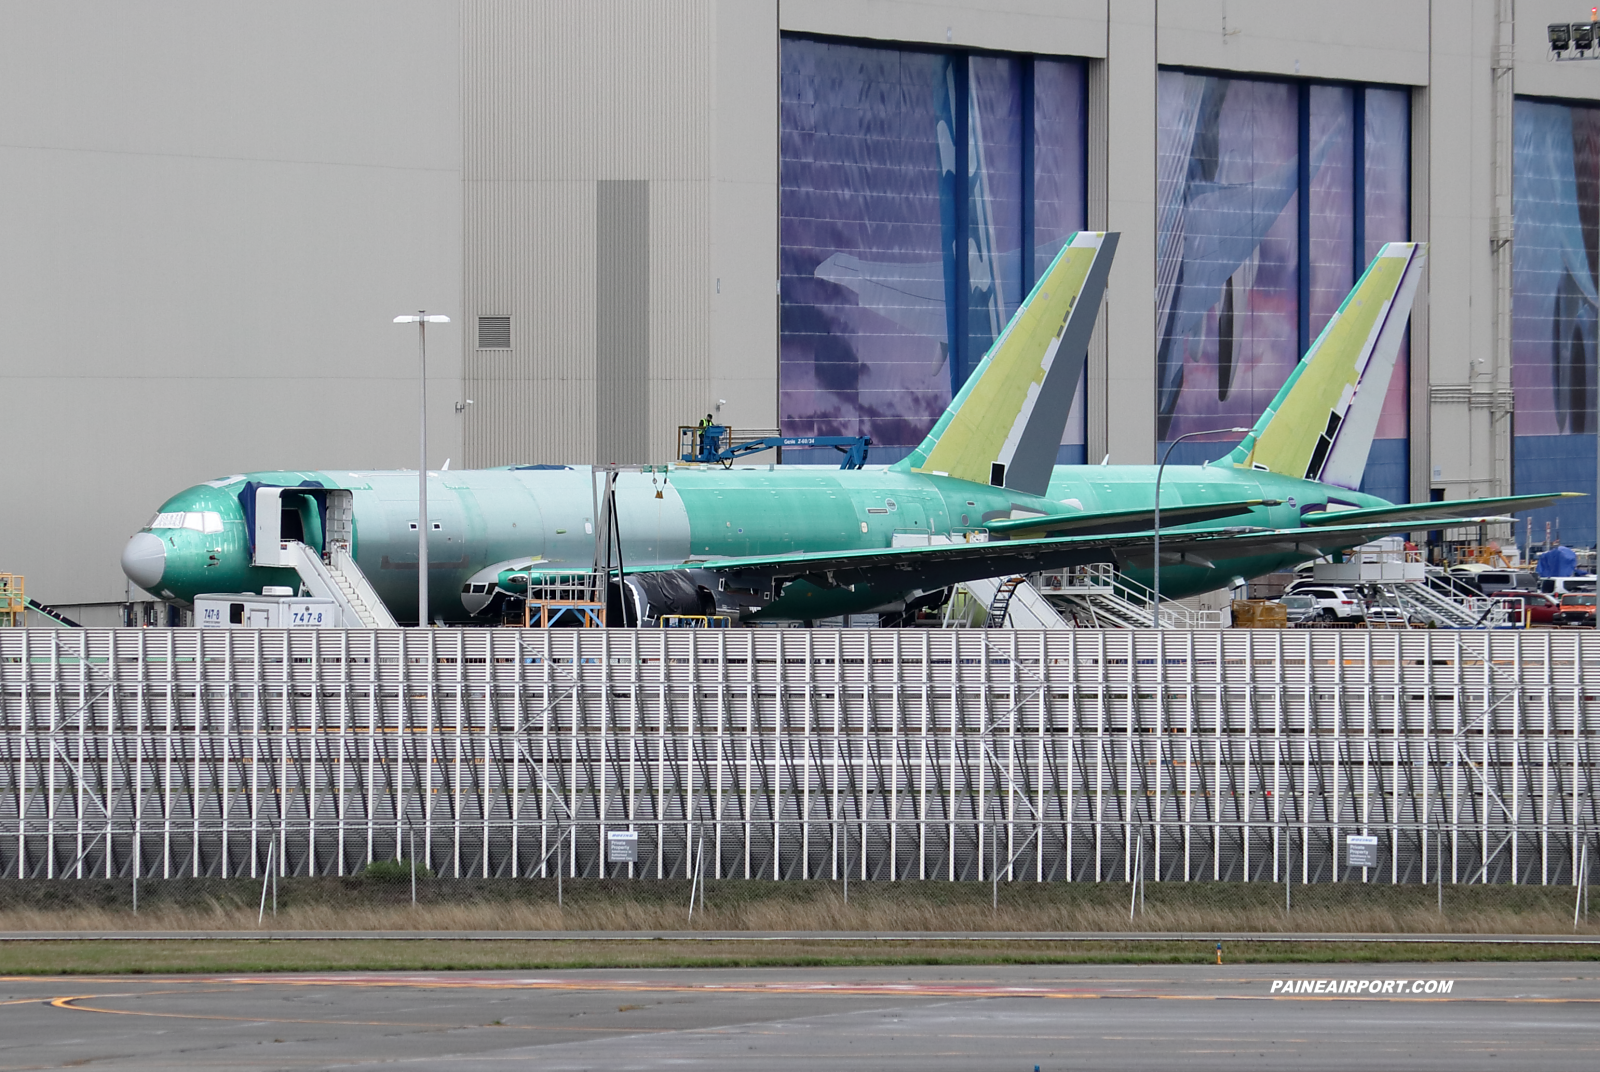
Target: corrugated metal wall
(556, 100)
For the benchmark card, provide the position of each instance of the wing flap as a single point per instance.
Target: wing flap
(1105, 522)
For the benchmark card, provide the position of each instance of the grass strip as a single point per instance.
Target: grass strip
(108, 957)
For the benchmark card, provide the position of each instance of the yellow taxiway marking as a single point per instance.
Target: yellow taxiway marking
(71, 1003)
(820, 989)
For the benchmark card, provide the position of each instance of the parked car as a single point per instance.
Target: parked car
(1541, 607)
(1577, 610)
(1491, 581)
(1333, 603)
(1299, 608)
(1560, 586)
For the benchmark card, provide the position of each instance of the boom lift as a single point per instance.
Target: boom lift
(711, 444)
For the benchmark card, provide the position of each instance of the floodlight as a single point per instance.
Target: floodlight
(1560, 36)
(1582, 36)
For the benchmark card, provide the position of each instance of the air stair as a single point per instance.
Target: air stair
(1445, 603)
(1013, 603)
(332, 575)
(337, 577)
(1096, 596)
(1427, 595)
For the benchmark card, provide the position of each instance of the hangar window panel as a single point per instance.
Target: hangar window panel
(1385, 194)
(995, 135)
(1263, 224)
(1060, 195)
(911, 224)
(1228, 250)
(1331, 211)
(1555, 289)
(862, 147)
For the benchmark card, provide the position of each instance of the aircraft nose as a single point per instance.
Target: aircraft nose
(144, 559)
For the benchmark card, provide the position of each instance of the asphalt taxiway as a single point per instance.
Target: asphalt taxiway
(1525, 1016)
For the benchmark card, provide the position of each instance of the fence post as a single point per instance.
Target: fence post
(1438, 863)
(1581, 873)
(272, 847)
(1135, 880)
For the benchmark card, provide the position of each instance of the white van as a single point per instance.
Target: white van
(1560, 586)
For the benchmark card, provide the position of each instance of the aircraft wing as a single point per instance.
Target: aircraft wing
(1102, 522)
(1431, 512)
(940, 565)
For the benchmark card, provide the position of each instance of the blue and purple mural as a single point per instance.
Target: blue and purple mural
(1555, 271)
(1271, 198)
(921, 192)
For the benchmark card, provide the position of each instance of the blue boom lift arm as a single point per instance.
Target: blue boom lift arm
(708, 448)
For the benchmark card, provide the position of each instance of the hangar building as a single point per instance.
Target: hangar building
(807, 215)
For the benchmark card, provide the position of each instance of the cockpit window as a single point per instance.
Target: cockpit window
(205, 521)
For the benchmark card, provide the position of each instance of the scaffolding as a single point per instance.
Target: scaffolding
(902, 754)
(572, 598)
(13, 602)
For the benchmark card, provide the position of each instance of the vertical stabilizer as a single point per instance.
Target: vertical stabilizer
(1004, 426)
(1320, 425)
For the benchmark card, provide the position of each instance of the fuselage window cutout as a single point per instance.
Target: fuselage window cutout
(436, 526)
(997, 474)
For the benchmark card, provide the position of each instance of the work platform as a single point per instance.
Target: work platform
(902, 754)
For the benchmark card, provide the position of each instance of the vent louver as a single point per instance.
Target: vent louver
(494, 333)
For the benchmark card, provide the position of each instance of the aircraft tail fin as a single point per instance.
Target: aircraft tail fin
(1004, 426)
(1322, 422)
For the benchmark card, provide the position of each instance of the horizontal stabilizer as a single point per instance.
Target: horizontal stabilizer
(1431, 512)
(1100, 522)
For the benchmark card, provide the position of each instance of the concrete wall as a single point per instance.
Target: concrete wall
(212, 214)
(679, 95)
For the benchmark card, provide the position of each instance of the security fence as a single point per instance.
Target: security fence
(1235, 756)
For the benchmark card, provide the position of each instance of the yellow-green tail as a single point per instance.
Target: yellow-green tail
(1004, 426)
(1321, 424)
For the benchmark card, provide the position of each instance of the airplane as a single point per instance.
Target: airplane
(980, 497)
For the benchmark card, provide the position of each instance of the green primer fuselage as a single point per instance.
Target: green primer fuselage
(488, 516)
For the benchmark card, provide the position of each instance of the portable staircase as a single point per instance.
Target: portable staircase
(1011, 602)
(1096, 596)
(332, 575)
(337, 577)
(1445, 603)
(1001, 603)
(1426, 595)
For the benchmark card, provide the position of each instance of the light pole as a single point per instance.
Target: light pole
(422, 319)
(1155, 583)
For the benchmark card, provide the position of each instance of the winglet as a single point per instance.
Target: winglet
(1321, 424)
(1004, 426)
